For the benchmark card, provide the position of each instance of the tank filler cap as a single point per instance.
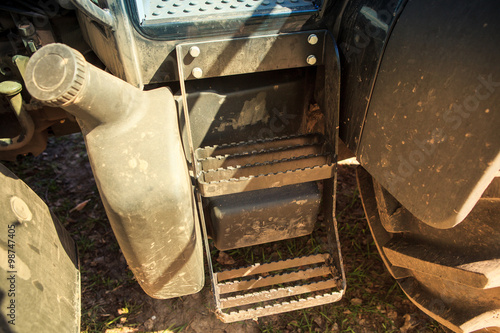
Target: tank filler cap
(55, 74)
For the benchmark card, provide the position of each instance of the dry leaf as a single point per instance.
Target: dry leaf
(407, 325)
(315, 120)
(320, 321)
(122, 330)
(356, 301)
(225, 259)
(392, 315)
(122, 311)
(80, 206)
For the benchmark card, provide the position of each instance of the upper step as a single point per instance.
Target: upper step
(170, 17)
(255, 165)
(158, 11)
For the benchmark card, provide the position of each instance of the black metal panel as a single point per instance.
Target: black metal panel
(233, 56)
(246, 107)
(361, 29)
(257, 217)
(431, 135)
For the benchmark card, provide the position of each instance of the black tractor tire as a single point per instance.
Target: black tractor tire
(453, 275)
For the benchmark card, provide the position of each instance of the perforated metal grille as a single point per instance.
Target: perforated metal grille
(174, 10)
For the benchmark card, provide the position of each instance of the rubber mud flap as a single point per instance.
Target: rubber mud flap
(39, 274)
(135, 151)
(431, 135)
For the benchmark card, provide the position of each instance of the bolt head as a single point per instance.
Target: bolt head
(194, 51)
(312, 39)
(26, 29)
(311, 60)
(10, 88)
(20, 209)
(197, 72)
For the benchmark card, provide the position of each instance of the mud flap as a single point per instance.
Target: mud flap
(39, 273)
(134, 148)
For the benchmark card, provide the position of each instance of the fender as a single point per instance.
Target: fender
(430, 132)
(135, 152)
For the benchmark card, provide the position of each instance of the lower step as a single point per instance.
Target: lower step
(272, 288)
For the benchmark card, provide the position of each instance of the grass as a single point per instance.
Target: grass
(173, 328)
(94, 321)
(373, 302)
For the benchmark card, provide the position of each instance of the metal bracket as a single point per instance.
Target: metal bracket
(251, 54)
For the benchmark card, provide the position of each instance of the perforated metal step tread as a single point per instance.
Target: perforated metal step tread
(208, 10)
(248, 166)
(276, 288)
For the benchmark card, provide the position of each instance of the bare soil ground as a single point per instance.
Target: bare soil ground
(112, 301)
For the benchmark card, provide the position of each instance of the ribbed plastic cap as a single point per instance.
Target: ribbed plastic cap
(55, 74)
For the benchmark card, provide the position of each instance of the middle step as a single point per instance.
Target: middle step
(261, 164)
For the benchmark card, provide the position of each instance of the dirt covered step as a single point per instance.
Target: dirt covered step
(277, 287)
(261, 164)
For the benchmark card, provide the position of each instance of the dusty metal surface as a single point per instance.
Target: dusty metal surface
(258, 217)
(239, 56)
(11, 90)
(265, 156)
(257, 146)
(270, 166)
(264, 268)
(156, 11)
(276, 287)
(257, 165)
(276, 294)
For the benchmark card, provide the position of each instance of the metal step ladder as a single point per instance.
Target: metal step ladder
(228, 168)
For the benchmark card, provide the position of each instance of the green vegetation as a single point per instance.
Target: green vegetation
(112, 301)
